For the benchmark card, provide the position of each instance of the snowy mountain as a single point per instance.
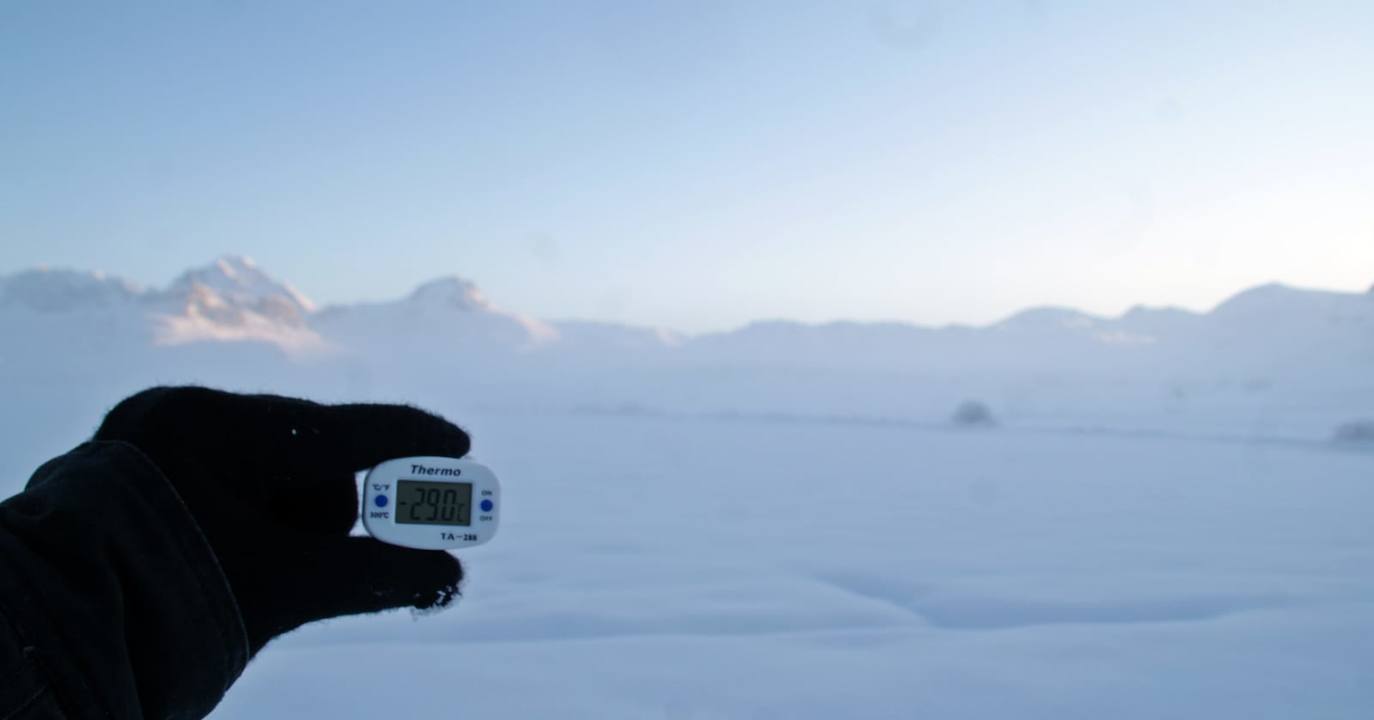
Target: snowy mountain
(238, 280)
(229, 300)
(233, 300)
(444, 320)
(1271, 346)
(1258, 329)
(58, 291)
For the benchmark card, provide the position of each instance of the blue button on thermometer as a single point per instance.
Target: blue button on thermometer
(431, 503)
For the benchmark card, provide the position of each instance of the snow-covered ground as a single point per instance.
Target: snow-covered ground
(1167, 516)
(661, 568)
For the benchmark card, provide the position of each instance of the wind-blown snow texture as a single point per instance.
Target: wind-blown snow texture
(1168, 518)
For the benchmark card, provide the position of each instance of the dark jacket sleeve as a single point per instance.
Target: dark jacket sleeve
(112, 604)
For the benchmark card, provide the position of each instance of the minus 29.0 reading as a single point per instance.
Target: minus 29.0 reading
(433, 503)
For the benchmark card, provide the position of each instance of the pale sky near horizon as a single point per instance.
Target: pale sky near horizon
(699, 165)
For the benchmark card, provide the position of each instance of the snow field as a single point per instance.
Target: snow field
(674, 568)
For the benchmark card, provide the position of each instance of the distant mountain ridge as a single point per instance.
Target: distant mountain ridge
(1269, 361)
(234, 300)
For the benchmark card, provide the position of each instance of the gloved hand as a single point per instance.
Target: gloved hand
(270, 481)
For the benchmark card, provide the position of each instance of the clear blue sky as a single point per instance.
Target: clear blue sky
(698, 165)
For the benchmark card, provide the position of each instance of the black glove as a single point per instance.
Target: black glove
(270, 481)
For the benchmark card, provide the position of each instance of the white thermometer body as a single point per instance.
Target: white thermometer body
(431, 503)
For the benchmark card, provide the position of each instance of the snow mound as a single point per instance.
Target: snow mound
(973, 414)
(1357, 432)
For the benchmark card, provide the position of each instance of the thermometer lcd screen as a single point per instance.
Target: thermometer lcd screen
(433, 503)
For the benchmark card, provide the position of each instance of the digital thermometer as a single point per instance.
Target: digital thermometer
(431, 503)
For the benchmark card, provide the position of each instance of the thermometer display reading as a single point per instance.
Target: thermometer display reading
(433, 503)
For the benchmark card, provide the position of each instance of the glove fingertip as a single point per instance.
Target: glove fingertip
(447, 591)
(405, 577)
